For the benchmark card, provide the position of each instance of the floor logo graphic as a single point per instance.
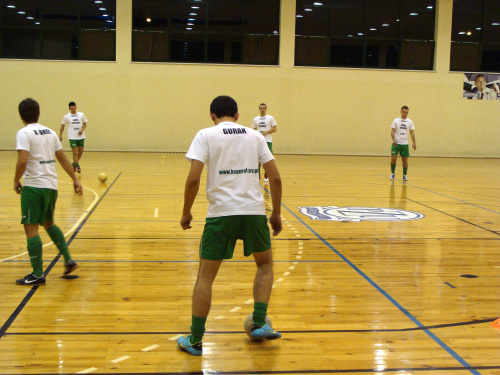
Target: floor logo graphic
(357, 214)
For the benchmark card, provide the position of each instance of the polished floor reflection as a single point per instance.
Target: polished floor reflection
(402, 278)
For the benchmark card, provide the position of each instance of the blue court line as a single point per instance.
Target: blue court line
(386, 295)
(32, 291)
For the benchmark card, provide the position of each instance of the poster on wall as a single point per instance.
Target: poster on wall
(481, 86)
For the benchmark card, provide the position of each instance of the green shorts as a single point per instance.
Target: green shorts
(76, 142)
(221, 233)
(270, 145)
(37, 205)
(403, 150)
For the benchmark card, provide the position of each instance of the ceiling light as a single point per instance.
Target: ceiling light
(495, 24)
(478, 28)
(299, 16)
(195, 7)
(191, 19)
(461, 33)
(190, 24)
(360, 33)
(308, 10)
(373, 29)
(21, 12)
(148, 19)
(11, 6)
(385, 24)
(29, 18)
(413, 14)
(430, 7)
(189, 28)
(193, 14)
(319, 4)
(469, 33)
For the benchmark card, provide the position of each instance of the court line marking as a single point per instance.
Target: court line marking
(117, 360)
(410, 316)
(86, 371)
(156, 212)
(149, 348)
(32, 291)
(72, 228)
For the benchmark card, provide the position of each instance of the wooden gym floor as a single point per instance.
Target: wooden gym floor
(398, 297)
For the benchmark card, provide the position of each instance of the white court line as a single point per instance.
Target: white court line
(279, 280)
(291, 267)
(247, 302)
(150, 348)
(156, 212)
(120, 359)
(235, 309)
(86, 371)
(175, 337)
(72, 229)
(286, 273)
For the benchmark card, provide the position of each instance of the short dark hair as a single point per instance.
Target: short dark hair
(223, 106)
(29, 110)
(71, 104)
(263, 104)
(405, 107)
(479, 76)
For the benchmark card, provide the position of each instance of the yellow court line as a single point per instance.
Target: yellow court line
(78, 222)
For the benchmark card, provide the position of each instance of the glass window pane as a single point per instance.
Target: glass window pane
(382, 54)
(60, 14)
(491, 6)
(346, 52)
(464, 56)
(382, 23)
(150, 46)
(97, 45)
(466, 28)
(60, 44)
(224, 16)
(418, 5)
(417, 55)
(261, 49)
(21, 43)
(187, 47)
(347, 22)
(467, 6)
(150, 14)
(23, 13)
(261, 16)
(98, 15)
(491, 58)
(491, 28)
(311, 51)
(188, 15)
(311, 19)
(417, 25)
(224, 48)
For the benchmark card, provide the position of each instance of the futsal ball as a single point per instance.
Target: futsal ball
(249, 322)
(102, 177)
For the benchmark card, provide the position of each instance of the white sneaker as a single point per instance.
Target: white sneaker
(405, 178)
(266, 179)
(392, 176)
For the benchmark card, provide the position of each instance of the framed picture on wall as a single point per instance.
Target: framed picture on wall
(481, 86)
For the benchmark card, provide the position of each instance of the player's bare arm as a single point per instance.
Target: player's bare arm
(84, 126)
(412, 134)
(393, 136)
(61, 132)
(22, 161)
(276, 192)
(190, 192)
(68, 168)
(274, 129)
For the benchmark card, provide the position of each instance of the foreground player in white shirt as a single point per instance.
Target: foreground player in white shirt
(37, 149)
(77, 123)
(399, 133)
(266, 125)
(232, 153)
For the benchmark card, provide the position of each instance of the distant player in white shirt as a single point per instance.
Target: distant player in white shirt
(232, 153)
(266, 125)
(399, 133)
(76, 122)
(37, 149)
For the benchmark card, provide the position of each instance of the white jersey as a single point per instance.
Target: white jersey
(42, 144)
(263, 124)
(232, 153)
(74, 124)
(403, 128)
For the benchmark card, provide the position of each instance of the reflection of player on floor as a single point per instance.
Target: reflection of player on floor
(37, 149)
(399, 134)
(266, 125)
(77, 122)
(236, 210)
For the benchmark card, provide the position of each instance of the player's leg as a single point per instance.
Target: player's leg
(257, 241)
(405, 167)
(32, 205)
(57, 236)
(74, 150)
(394, 157)
(270, 146)
(80, 144)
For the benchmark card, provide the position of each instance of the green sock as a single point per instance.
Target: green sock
(35, 248)
(405, 170)
(58, 238)
(197, 329)
(259, 313)
(393, 168)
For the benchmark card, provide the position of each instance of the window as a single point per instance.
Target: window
(385, 34)
(475, 39)
(206, 31)
(58, 29)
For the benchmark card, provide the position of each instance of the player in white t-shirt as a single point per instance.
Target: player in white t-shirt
(399, 133)
(232, 153)
(76, 122)
(38, 148)
(266, 125)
